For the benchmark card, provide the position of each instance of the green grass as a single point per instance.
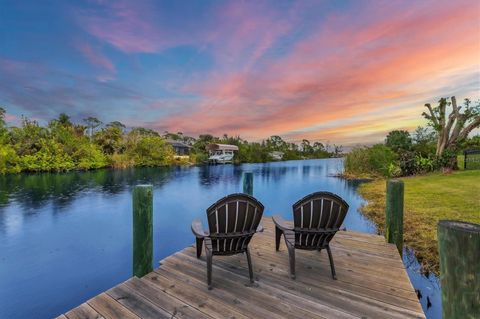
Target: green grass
(428, 199)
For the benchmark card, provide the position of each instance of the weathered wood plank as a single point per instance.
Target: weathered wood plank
(163, 300)
(84, 311)
(110, 308)
(196, 296)
(136, 304)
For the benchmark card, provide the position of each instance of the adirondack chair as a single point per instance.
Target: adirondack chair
(316, 219)
(232, 222)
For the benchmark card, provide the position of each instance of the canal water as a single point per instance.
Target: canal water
(65, 238)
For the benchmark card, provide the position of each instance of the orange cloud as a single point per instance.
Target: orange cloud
(342, 71)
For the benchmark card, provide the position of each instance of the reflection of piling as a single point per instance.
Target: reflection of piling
(142, 199)
(459, 252)
(394, 213)
(248, 183)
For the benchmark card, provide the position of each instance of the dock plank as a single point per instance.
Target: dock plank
(84, 311)
(372, 283)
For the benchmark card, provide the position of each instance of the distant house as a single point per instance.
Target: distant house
(276, 156)
(180, 148)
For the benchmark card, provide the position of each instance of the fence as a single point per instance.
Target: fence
(471, 159)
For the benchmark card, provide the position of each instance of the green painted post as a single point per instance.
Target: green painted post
(459, 252)
(394, 213)
(142, 199)
(248, 183)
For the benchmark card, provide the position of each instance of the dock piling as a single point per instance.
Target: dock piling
(394, 213)
(459, 252)
(142, 199)
(248, 183)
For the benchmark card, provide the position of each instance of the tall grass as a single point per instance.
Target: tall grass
(375, 161)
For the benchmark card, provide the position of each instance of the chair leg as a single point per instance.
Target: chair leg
(332, 265)
(209, 269)
(291, 257)
(278, 235)
(250, 268)
(199, 247)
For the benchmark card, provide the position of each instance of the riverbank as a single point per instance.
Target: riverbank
(428, 199)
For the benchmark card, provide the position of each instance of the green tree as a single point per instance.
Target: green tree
(2, 117)
(92, 123)
(110, 139)
(399, 141)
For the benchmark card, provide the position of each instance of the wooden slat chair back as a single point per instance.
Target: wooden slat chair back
(316, 219)
(232, 222)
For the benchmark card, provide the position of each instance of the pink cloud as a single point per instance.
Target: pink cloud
(341, 71)
(96, 57)
(128, 26)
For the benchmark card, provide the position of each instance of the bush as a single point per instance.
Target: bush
(378, 160)
(152, 151)
(8, 160)
(424, 164)
(121, 161)
(90, 156)
(50, 157)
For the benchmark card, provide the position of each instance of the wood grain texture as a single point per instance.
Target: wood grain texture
(372, 283)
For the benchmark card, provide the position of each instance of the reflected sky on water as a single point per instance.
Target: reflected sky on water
(67, 237)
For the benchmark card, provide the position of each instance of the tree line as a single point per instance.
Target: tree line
(63, 145)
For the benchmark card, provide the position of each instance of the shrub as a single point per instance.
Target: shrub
(90, 156)
(50, 157)
(121, 161)
(378, 160)
(8, 160)
(424, 164)
(152, 151)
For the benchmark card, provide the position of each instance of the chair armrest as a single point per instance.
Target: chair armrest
(280, 223)
(197, 229)
(260, 228)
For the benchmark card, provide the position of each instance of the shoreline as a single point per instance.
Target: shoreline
(425, 204)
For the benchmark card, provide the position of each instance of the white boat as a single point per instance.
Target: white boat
(221, 153)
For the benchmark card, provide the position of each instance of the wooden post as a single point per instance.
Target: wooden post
(142, 230)
(394, 213)
(459, 252)
(248, 183)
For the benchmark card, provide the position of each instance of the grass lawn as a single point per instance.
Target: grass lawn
(428, 199)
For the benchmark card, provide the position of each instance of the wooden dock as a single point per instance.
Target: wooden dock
(372, 283)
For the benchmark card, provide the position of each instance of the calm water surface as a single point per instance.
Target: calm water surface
(67, 237)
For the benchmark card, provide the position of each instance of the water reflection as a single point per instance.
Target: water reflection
(427, 286)
(72, 231)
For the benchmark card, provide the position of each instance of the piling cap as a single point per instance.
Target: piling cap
(459, 225)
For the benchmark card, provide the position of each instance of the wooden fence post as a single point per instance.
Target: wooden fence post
(459, 252)
(248, 183)
(394, 213)
(142, 198)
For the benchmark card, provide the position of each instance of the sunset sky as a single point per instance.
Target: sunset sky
(340, 71)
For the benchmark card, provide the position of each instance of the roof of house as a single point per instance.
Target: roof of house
(224, 147)
(176, 143)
